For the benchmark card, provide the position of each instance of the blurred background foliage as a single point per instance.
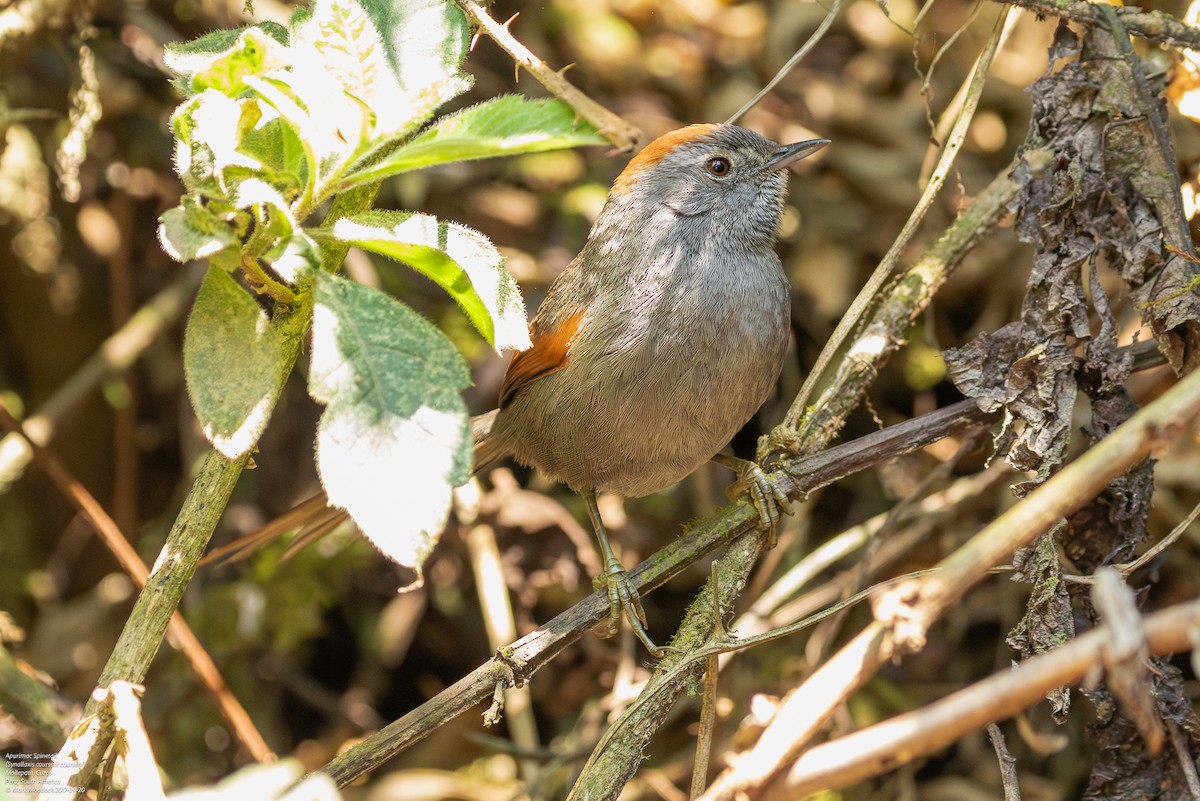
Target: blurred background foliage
(316, 643)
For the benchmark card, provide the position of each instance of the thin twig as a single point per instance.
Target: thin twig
(624, 136)
(142, 635)
(525, 657)
(1127, 569)
(1124, 657)
(155, 606)
(708, 705)
(869, 293)
(1154, 25)
(904, 613)
(502, 628)
(179, 632)
(1187, 763)
(953, 109)
(707, 726)
(796, 58)
(772, 609)
(1008, 764)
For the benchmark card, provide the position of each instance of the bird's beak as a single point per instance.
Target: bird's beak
(789, 154)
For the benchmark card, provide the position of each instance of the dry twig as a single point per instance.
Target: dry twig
(624, 136)
(905, 612)
(180, 633)
(894, 742)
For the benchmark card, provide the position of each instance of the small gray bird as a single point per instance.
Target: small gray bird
(663, 336)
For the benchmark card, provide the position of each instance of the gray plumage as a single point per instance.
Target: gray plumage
(673, 320)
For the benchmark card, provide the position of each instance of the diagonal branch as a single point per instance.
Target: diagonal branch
(624, 136)
(904, 613)
(884, 333)
(516, 663)
(180, 633)
(906, 737)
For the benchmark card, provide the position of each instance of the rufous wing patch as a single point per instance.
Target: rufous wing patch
(547, 355)
(656, 151)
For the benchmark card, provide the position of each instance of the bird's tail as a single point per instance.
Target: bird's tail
(488, 450)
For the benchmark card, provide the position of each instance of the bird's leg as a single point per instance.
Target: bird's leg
(769, 499)
(621, 592)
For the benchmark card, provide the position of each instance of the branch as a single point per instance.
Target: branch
(176, 563)
(623, 135)
(1154, 25)
(147, 623)
(905, 612)
(887, 265)
(894, 742)
(181, 634)
(516, 663)
(883, 335)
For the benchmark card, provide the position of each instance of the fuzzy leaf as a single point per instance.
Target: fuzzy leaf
(425, 42)
(394, 438)
(502, 127)
(192, 231)
(233, 360)
(338, 49)
(277, 147)
(461, 261)
(253, 53)
(213, 124)
(198, 55)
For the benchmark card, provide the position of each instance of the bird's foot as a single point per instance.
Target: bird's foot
(623, 595)
(768, 498)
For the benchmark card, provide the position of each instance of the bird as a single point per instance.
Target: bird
(661, 339)
(655, 345)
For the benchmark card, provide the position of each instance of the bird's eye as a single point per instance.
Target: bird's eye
(719, 166)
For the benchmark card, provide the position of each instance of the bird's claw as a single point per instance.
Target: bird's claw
(623, 595)
(768, 498)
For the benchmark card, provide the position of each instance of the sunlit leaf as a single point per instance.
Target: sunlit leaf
(394, 438)
(425, 42)
(234, 363)
(193, 231)
(461, 261)
(254, 52)
(338, 45)
(215, 123)
(501, 127)
(198, 55)
(276, 146)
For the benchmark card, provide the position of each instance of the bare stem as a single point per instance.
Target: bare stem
(624, 136)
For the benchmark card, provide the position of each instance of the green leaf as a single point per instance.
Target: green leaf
(211, 125)
(194, 231)
(425, 42)
(294, 257)
(394, 439)
(201, 56)
(254, 53)
(277, 147)
(461, 261)
(500, 127)
(276, 238)
(234, 364)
